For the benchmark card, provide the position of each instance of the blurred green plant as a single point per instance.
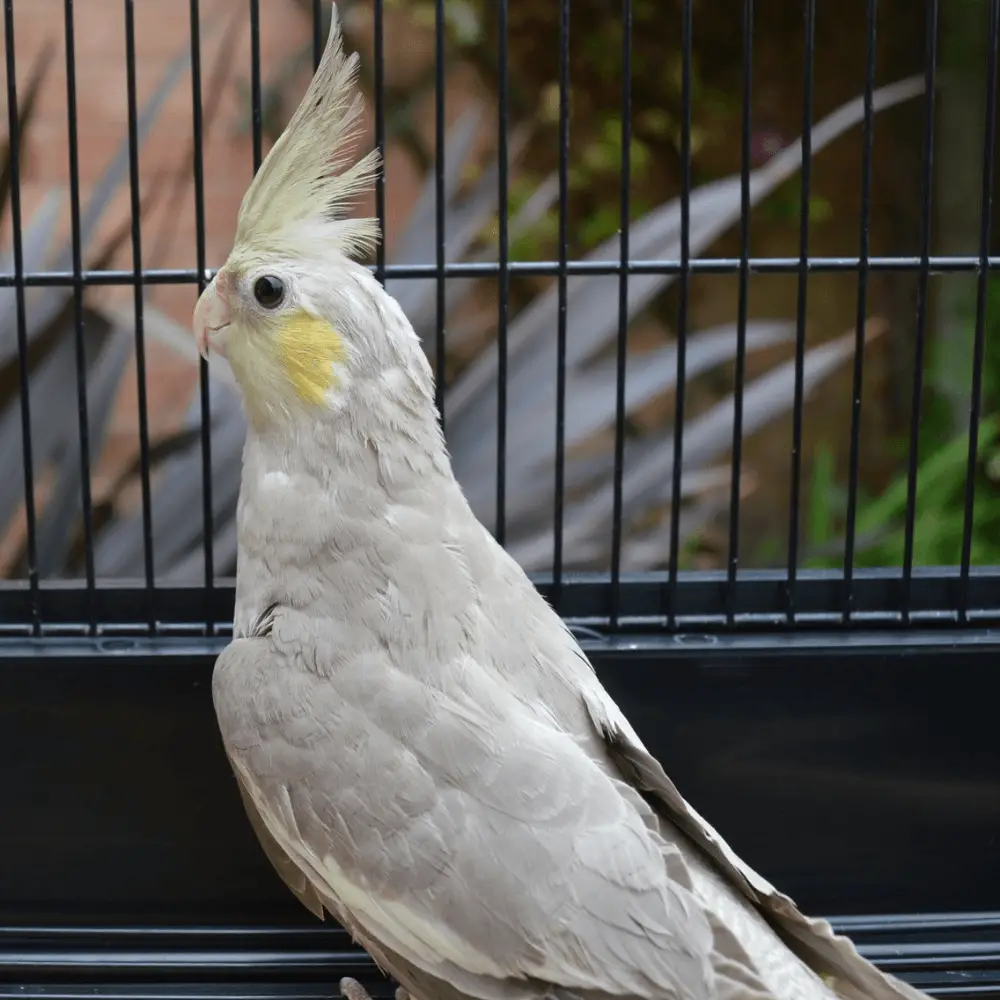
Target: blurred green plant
(786, 205)
(939, 496)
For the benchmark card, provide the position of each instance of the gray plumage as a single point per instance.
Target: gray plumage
(421, 746)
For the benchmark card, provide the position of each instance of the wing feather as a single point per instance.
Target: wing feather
(291, 874)
(832, 955)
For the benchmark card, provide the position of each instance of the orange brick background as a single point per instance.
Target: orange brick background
(162, 31)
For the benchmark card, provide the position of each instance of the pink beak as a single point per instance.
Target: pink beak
(211, 315)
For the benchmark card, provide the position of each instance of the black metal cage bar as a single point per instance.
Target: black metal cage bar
(798, 405)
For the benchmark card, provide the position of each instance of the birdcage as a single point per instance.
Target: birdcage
(710, 303)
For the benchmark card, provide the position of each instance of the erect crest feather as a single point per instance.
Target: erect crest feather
(307, 177)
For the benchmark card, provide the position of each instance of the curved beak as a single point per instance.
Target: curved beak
(211, 315)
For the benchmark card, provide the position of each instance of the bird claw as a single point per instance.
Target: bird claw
(351, 989)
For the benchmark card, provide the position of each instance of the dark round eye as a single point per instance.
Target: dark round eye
(268, 291)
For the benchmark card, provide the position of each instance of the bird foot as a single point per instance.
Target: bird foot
(351, 989)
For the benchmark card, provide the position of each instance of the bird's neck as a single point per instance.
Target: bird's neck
(380, 429)
(336, 492)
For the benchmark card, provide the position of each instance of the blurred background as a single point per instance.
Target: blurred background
(111, 523)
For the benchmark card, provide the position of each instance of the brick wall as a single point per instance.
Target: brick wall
(162, 31)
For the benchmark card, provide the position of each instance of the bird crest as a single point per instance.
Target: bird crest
(307, 182)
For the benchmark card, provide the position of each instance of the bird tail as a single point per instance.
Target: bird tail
(829, 955)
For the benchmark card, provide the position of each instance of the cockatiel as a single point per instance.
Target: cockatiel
(422, 747)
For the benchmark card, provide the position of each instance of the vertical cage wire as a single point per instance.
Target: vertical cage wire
(801, 308)
(684, 289)
(256, 102)
(378, 15)
(317, 32)
(733, 559)
(439, 209)
(138, 293)
(923, 279)
(854, 461)
(27, 457)
(985, 220)
(621, 346)
(204, 386)
(503, 278)
(79, 329)
(558, 514)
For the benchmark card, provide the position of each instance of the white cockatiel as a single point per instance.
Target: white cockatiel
(423, 749)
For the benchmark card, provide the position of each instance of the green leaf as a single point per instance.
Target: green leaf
(820, 513)
(944, 466)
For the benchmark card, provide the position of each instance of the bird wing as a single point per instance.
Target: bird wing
(813, 940)
(290, 873)
(486, 849)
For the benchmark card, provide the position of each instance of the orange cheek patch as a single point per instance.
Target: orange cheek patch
(310, 350)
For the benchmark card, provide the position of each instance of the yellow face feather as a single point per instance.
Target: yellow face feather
(309, 350)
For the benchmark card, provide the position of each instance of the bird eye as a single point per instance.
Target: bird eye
(268, 291)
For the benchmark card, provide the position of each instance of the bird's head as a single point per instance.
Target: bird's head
(294, 314)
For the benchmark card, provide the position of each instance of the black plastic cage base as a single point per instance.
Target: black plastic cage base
(860, 774)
